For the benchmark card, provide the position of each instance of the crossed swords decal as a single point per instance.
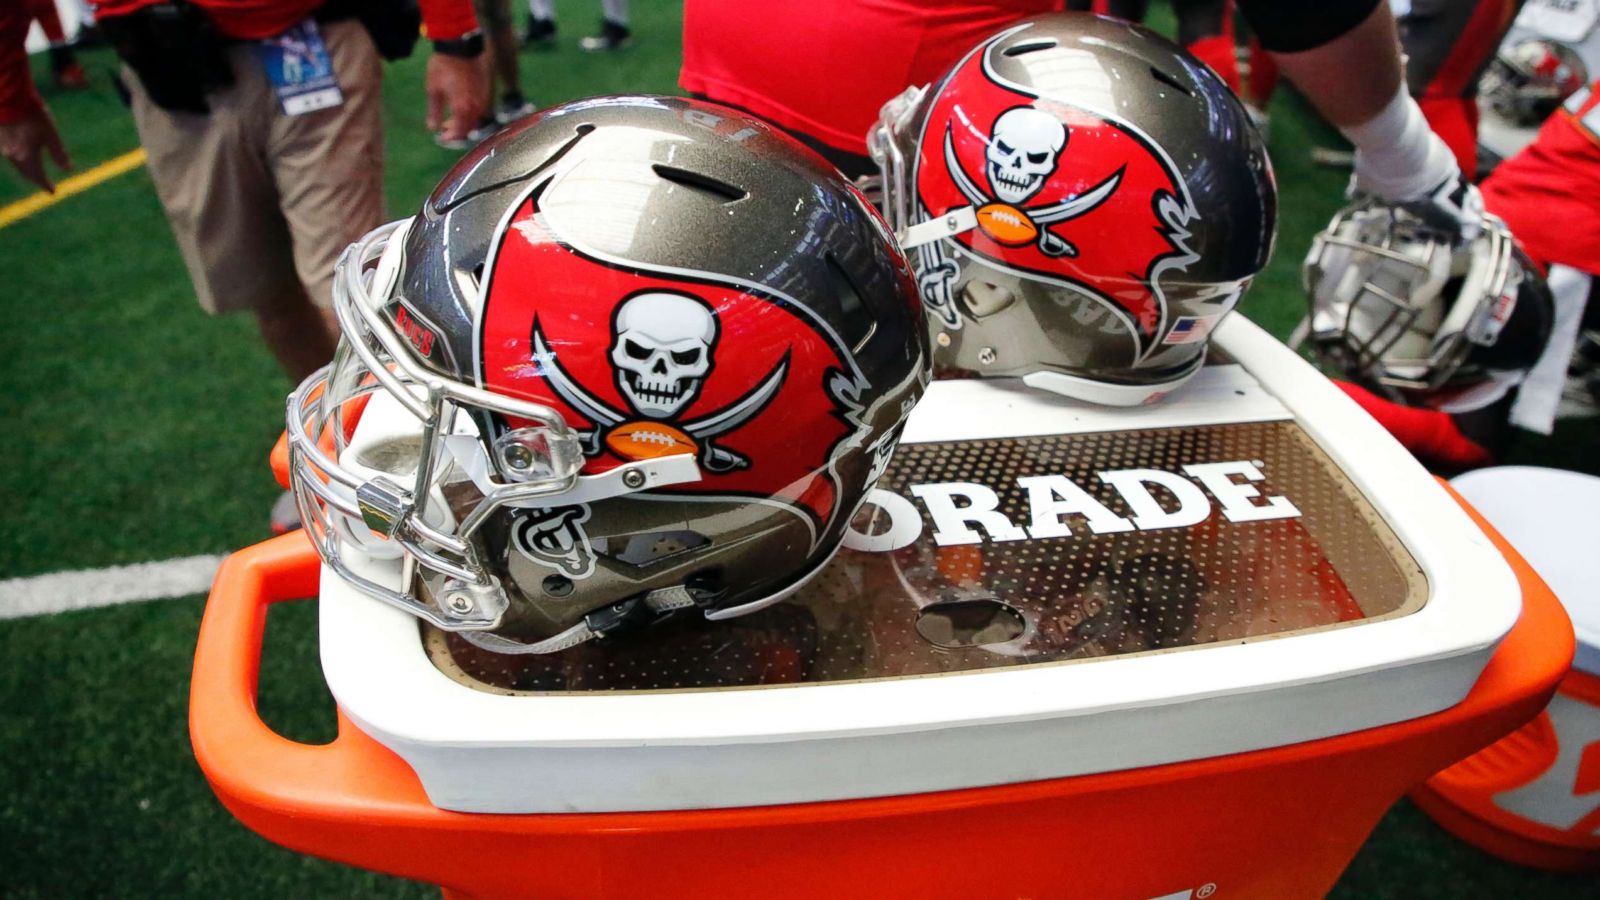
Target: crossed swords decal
(939, 272)
(718, 460)
(1070, 208)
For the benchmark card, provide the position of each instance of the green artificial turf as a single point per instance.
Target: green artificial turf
(137, 429)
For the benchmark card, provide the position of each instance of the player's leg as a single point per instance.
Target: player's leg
(541, 33)
(1448, 43)
(218, 195)
(1205, 28)
(328, 169)
(63, 62)
(614, 33)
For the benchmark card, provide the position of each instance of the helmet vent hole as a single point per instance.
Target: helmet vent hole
(1029, 47)
(1171, 82)
(701, 182)
(856, 319)
(442, 207)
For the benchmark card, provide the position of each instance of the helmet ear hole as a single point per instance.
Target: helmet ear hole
(1523, 338)
(983, 299)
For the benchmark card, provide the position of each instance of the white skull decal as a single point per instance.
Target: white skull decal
(661, 350)
(1023, 150)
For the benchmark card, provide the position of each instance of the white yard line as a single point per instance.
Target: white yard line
(40, 595)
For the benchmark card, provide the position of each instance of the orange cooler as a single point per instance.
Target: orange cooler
(1534, 797)
(1180, 651)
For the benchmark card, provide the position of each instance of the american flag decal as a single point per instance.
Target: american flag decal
(1188, 329)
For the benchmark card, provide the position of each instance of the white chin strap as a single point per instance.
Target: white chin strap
(937, 229)
(1104, 393)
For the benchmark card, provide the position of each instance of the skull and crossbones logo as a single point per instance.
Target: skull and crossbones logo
(661, 351)
(1024, 149)
(663, 347)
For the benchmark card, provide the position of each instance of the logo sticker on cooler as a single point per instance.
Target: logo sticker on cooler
(969, 513)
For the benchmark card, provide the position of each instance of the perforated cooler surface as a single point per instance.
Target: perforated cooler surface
(930, 609)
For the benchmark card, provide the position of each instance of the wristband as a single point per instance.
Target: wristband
(1398, 157)
(467, 46)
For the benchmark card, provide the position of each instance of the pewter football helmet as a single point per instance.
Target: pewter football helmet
(1083, 201)
(1398, 308)
(634, 357)
(1525, 83)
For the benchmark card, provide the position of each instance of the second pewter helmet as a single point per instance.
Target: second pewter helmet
(634, 357)
(1082, 201)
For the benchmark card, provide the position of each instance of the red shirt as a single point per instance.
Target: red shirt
(824, 67)
(250, 19)
(1549, 194)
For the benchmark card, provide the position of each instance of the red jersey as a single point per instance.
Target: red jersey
(1549, 194)
(251, 19)
(824, 67)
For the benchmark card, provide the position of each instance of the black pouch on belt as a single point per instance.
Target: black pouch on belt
(175, 52)
(394, 25)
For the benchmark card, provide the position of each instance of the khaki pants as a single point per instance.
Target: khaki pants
(261, 202)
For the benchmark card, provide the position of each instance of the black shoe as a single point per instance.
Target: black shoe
(612, 36)
(541, 34)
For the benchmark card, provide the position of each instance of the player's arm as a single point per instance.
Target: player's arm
(457, 81)
(26, 130)
(1344, 55)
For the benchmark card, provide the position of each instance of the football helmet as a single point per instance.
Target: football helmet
(1398, 308)
(1526, 82)
(634, 355)
(1082, 201)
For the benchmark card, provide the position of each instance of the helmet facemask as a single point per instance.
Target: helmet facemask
(398, 469)
(1397, 307)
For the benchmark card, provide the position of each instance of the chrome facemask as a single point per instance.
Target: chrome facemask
(1376, 279)
(378, 440)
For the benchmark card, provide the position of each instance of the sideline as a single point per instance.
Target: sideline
(15, 212)
(40, 595)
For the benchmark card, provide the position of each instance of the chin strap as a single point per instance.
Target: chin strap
(639, 610)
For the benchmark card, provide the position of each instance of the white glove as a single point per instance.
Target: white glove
(1454, 208)
(1400, 161)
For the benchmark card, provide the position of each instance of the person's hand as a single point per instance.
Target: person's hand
(25, 141)
(460, 86)
(1454, 208)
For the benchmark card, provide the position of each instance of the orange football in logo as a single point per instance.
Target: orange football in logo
(1007, 224)
(649, 440)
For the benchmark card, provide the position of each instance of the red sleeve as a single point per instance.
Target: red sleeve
(18, 98)
(1431, 436)
(445, 20)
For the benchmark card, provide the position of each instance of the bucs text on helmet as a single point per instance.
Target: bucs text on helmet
(1399, 308)
(634, 355)
(1082, 201)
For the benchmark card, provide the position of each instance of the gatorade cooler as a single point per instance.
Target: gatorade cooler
(1534, 797)
(1190, 649)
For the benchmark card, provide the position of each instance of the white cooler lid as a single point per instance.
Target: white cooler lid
(1552, 517)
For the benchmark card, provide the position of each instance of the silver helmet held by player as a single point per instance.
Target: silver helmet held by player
(1082, 201)
(635, 357)
(1398, 307)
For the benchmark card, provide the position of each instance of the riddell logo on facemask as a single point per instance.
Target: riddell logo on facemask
(969, 513)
